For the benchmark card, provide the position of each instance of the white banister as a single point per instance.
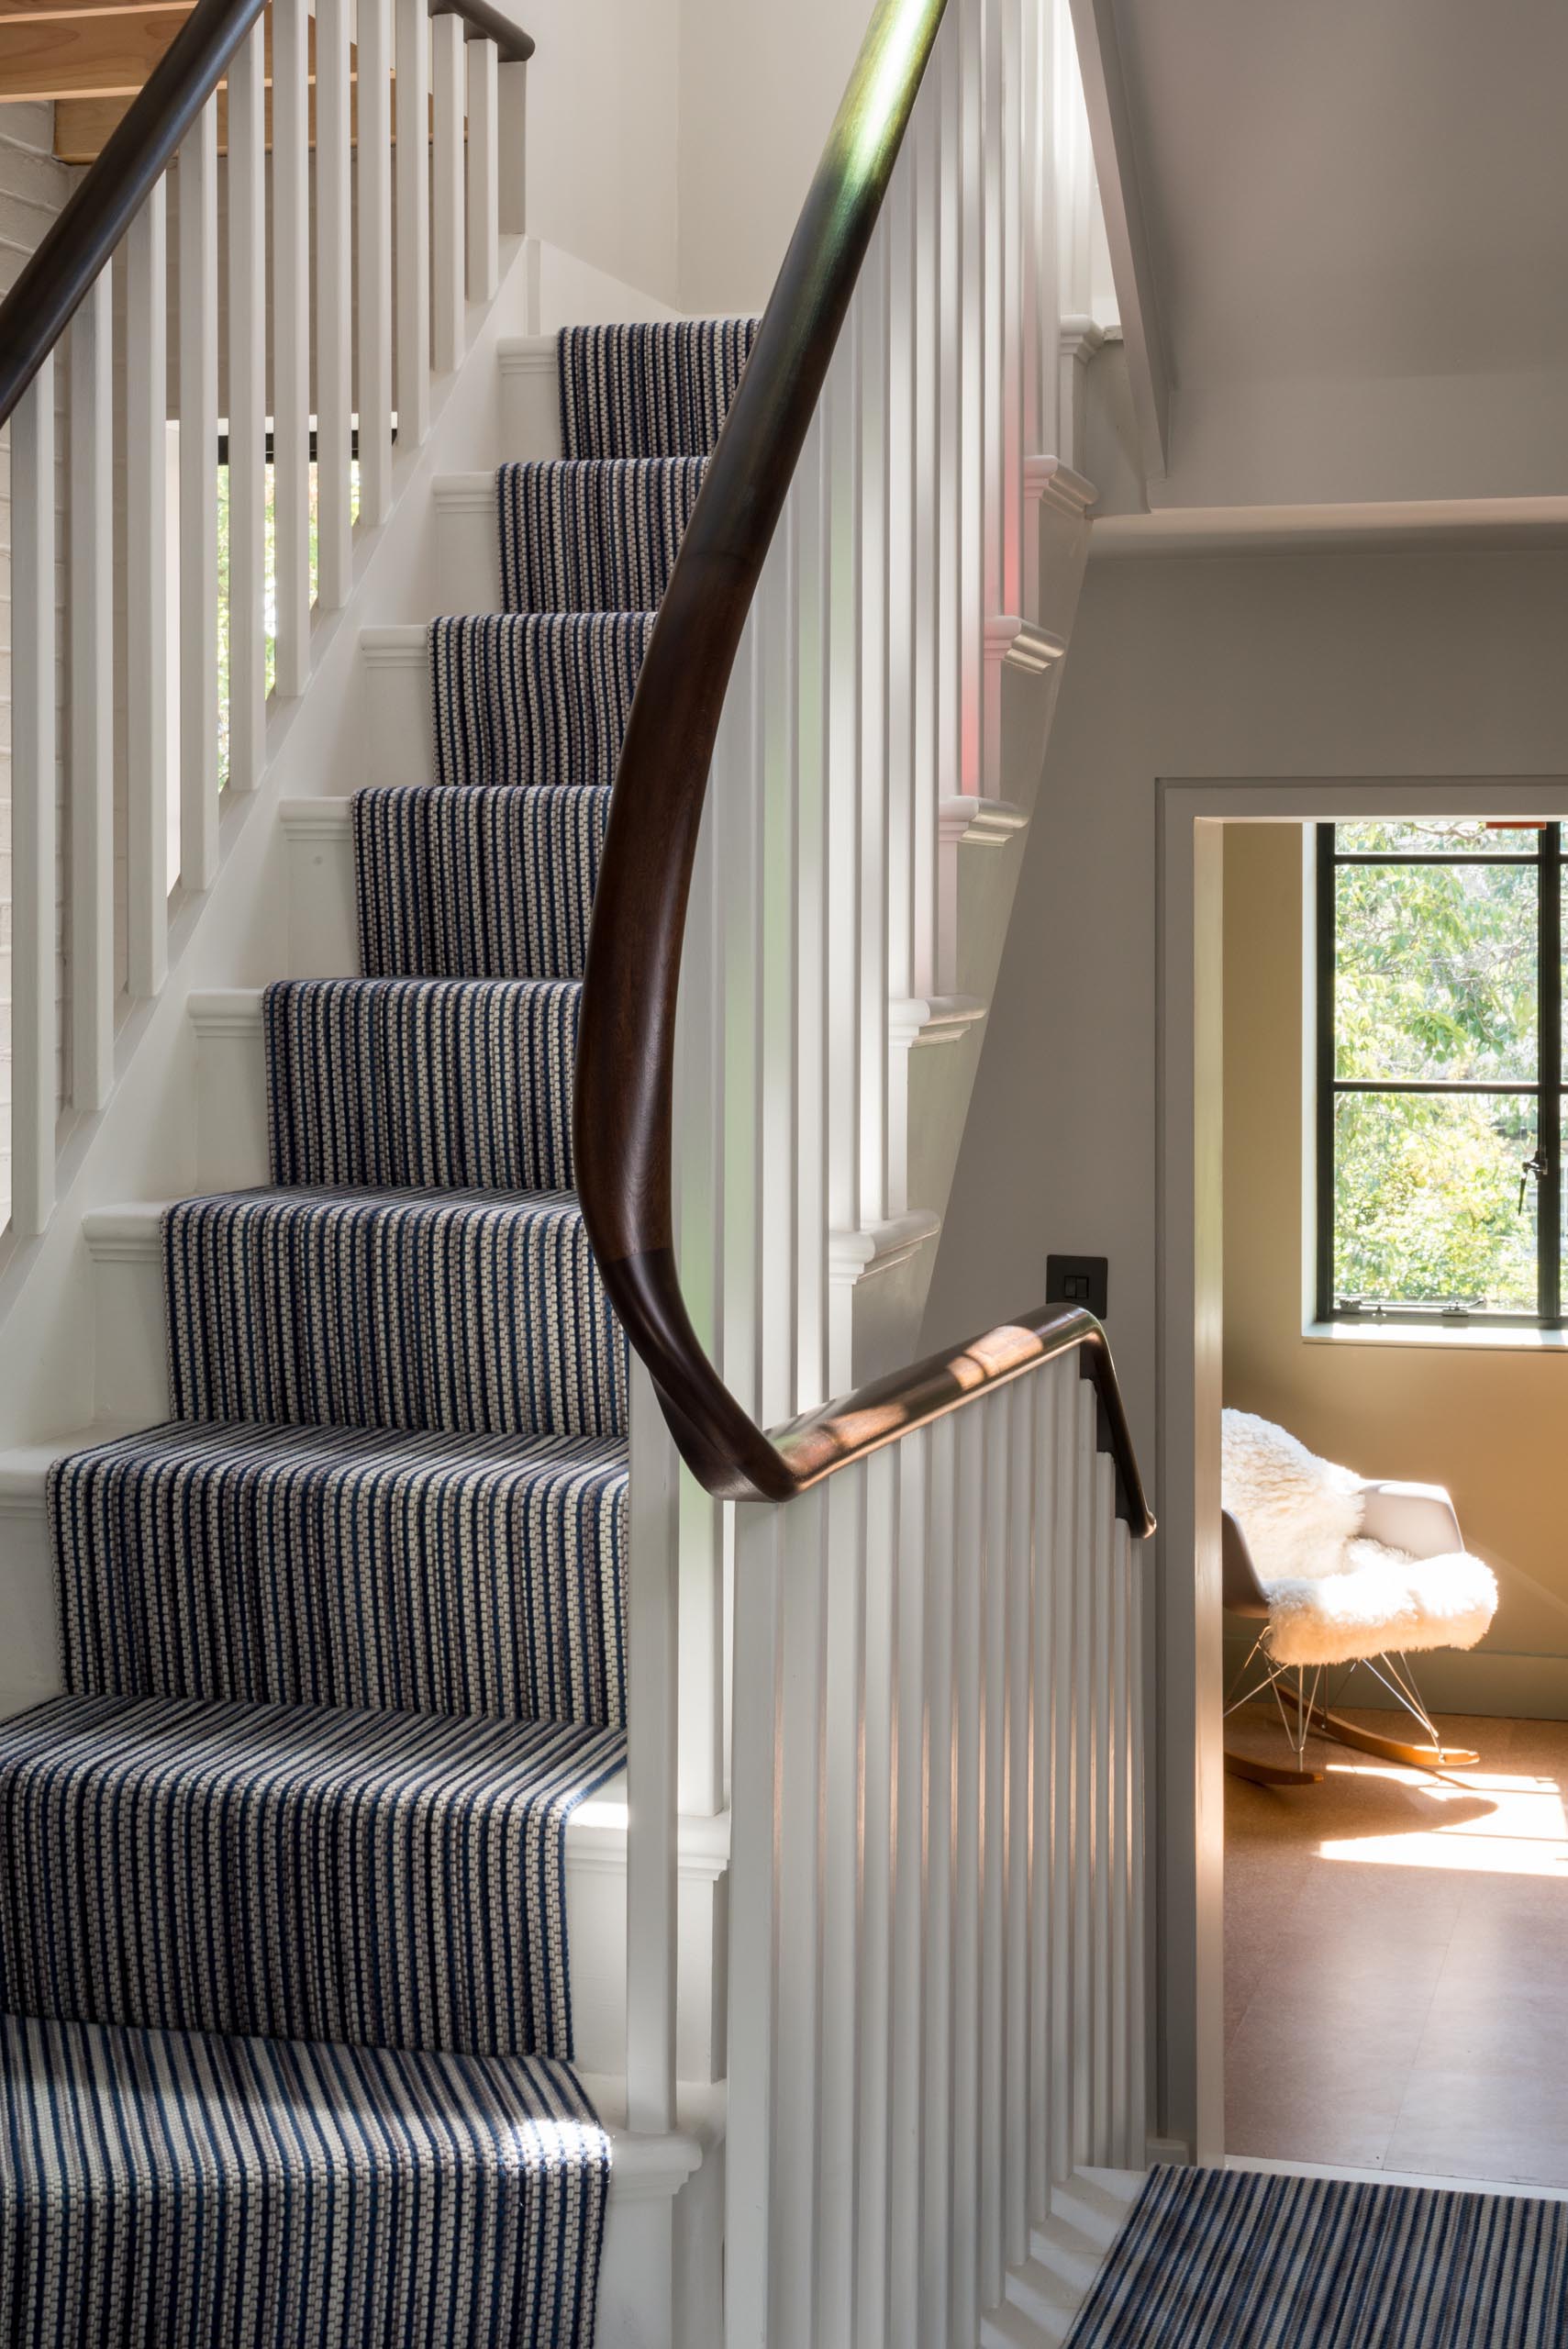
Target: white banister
(413, 223)
(447, 79)
(247, 259)
(374, 190)
(147, 597)
(291, 346)
(334, 308)
(92, 746)
(33, 1038)
(903, 1783)
(184, 421)
(198, 500)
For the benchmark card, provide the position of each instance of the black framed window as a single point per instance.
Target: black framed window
(1439, 1072)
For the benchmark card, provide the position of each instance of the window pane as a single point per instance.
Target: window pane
(1436, 971)
(1458, 836)
(1426, 1200)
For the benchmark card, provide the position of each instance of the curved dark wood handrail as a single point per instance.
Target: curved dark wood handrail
(81, 240)
(623, 1119)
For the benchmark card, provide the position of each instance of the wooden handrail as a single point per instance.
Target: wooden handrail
(623, 1119)
(62, 269)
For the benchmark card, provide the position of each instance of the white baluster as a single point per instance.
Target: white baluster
(875, 983)
(1120, 1968)
(374, 167)
(842, 553)
(905, 2158)
(995, 98)
(973, 308)
(291, 346)
(841, 2116)
(653, 1665)
(1052, 1529)
(1068, 2040)
(799, 2080)
(247, 415)
(34, 1039)
(199, 501)
(937, 2115)
(902, 665)
(777, 693)
(995, 1417)
(1025, 1601)
(1104, 1856)
(736, 827)
(147, 590)
(969, 1573)
(1039, 294)
(952, 654)
(1137, 2080)
(811, 934)
(749, 2245)
(92, 745)
(334, 310)
(931, 499)
(883, 1855)
(413, 223)
(446, 208)
(511, 108)
(484, 201)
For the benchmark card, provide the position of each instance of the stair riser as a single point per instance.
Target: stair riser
(468, 546)
(131, 1380)
(530, 399)
(452, 1086)
(231, 1093)
(29, 1643)
(323, 919)
(399, 729)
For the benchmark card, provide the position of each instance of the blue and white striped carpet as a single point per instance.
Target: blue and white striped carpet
(1234, 2259)
(285, 2015)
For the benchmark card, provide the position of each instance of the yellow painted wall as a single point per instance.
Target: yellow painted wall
(1492, 1426)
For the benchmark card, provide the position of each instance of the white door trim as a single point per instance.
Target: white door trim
(1187, 1795)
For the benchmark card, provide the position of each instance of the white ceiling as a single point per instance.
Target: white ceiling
(1373, 188)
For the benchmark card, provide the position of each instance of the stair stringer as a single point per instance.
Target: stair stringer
(144, 1144)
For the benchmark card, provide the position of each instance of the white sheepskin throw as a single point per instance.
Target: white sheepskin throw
(1297, 1513)
(1335, 1597)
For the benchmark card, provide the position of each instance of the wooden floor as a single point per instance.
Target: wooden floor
(1397, 1960)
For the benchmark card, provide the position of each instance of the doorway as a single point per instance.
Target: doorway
(1428, 1849)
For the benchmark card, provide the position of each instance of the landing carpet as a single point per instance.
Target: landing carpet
(1229, 2259)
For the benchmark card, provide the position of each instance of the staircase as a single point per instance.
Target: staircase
(451, 1758)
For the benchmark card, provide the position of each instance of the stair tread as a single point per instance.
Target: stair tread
(298, 1871)
(246, 2177)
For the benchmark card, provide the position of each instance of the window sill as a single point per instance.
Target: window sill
(1406, 1333)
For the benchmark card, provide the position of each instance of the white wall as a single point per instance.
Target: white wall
(760, 86)
(1355, 664)
(603, 121)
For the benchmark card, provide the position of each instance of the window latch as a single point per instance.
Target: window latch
(1535, 1167)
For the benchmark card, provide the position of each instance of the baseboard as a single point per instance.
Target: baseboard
(1484, 1680)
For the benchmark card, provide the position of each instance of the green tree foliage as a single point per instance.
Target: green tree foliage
(1436, 978)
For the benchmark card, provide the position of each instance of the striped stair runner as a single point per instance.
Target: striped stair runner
(286, 2026)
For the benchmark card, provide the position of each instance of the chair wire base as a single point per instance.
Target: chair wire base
(1391, 1669)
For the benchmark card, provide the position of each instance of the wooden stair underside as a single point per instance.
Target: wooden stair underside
(90, 62)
